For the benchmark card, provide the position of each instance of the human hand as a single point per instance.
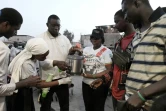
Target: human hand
(66, 80)
(87, 75)
(62, 65)
(95, 84)
(32, 81)
(74, 49)
(134, 102)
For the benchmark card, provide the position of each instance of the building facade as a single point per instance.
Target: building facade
(20, 38)
(110, 40)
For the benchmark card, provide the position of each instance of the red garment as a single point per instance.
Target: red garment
(116, 92)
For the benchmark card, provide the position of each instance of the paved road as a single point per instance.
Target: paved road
(76, 100)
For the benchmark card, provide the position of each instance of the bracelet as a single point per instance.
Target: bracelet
(141, 97)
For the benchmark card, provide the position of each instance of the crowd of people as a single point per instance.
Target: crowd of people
(135, 69)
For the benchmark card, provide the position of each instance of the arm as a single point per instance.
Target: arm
(30, 72)
(44, 84)
(106, 78)
(72, 50)
(4, 58)
(62, 65)
(29, 82)
(153, 90)
(5, 89)
(107, 61)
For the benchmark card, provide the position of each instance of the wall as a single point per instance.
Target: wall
(20, 38)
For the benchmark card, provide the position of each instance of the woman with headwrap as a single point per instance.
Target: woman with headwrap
(23, 66)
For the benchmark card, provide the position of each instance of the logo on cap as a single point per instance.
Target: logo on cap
(96, 31)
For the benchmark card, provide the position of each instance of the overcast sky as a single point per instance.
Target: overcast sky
(78, 16)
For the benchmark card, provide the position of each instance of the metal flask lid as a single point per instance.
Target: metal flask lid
(75, 56)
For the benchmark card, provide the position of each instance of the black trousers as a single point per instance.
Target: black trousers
(21, 101)
(62, 92)
(94, 99)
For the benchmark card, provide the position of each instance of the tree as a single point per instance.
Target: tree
(69, 35)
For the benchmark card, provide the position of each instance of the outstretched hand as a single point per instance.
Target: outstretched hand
(74, 49)
(87, 75)
(32, 81)
(62, 65)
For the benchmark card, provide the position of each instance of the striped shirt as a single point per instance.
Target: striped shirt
(149, 62)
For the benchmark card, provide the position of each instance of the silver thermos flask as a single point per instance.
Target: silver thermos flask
(76, 63)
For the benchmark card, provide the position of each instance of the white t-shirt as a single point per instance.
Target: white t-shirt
(28, 69)
(94, 64)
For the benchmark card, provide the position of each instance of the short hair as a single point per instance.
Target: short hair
(164, 9)
(52, 17)
(119, 13)
(146, 2)
(11, 15)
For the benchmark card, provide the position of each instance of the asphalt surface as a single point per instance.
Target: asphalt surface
(76, 99)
